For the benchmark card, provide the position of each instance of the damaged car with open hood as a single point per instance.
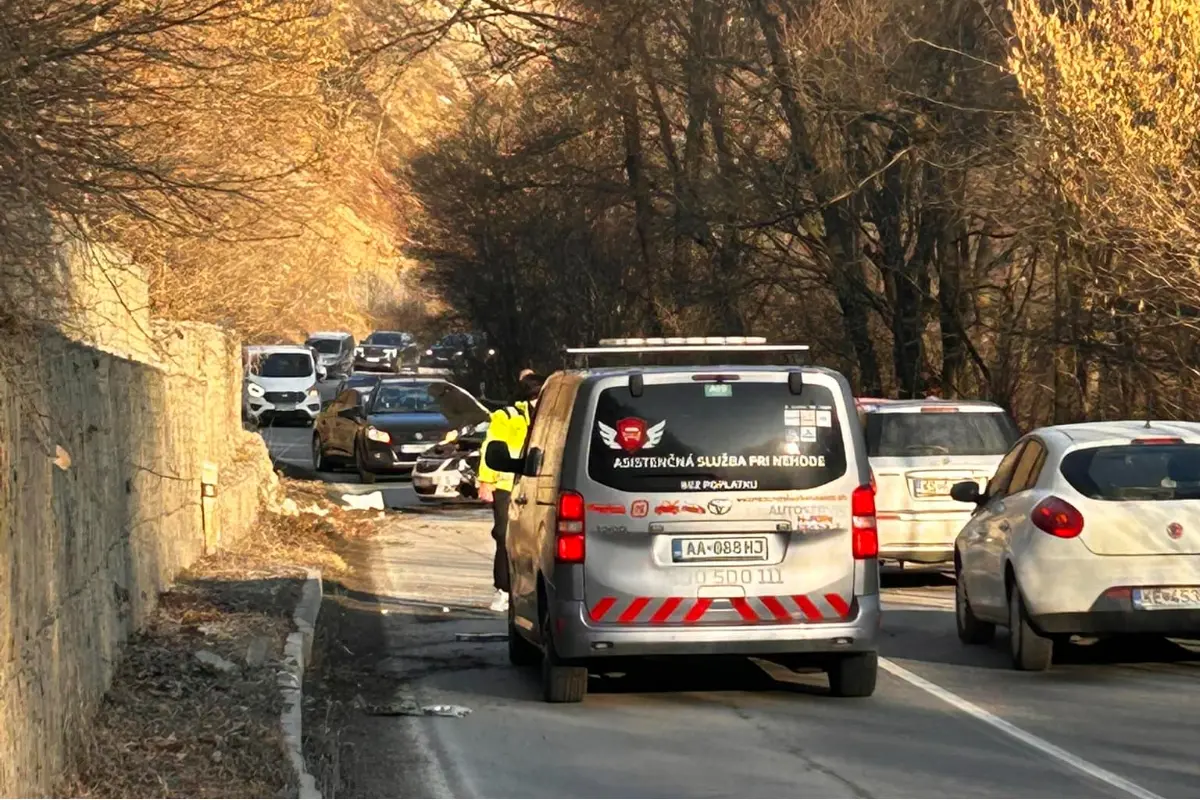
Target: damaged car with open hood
(450, 469)
(387, 431)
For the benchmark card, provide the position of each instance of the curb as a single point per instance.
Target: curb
(296, 655)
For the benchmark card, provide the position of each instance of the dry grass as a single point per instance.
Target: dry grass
(172, 727)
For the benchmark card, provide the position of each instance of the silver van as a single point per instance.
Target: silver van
(692, 511)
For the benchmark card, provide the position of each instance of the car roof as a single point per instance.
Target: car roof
(361, 377)
(391, 333)
(411, 380)
(278, 348)
(915, 406)
(1121, 431)
(329, 335)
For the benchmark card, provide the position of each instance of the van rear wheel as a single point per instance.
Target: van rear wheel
(561, 683)
(853, 675)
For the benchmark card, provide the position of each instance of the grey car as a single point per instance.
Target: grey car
(693, 511)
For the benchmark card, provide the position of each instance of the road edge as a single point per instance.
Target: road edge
(297, 654)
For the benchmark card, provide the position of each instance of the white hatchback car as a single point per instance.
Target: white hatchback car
(1090, 529)
(918, 450)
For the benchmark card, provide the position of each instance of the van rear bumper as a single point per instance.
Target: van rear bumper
(578, 638)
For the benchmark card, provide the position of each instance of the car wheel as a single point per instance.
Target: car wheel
(971, 629)
(520, 652)
(561, 683)
(1030, 652)
(853, 675)
(318, 454)
(364, 472)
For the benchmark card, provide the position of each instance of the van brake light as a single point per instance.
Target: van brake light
(569, 542)
(863, 533)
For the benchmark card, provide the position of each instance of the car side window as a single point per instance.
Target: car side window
(998, 485)
(1026, 473)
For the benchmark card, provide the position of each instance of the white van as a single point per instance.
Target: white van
(281, 385)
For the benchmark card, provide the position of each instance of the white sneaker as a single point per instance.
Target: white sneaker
(500, 601)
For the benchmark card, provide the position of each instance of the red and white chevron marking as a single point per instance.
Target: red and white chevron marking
(692, 610)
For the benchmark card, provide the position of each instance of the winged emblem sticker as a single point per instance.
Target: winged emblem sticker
(631, 434)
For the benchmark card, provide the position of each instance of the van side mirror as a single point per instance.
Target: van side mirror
(500, 459)
(322, 373)
(967, 492)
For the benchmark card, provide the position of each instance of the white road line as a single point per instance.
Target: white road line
(1037, 743)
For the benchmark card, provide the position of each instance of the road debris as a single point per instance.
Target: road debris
(215, 662)
(481, 637)
(407, 706)
(364, 502)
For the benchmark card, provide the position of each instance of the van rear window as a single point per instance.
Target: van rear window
(706, 437)
(1135, 472)
(955, 433)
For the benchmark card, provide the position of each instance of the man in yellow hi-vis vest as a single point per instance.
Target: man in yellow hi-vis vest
(509, 425)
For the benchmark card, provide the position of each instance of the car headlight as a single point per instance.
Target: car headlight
(429, 352)
(491, 352)
(376, 435)
(391, 351)
(458, 352)
(313, 396)
(358, 351)
(254, 390)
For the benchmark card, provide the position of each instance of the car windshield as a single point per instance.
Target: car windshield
(1135, 472)
(905, 435)
(285, 365)
(360, 381)
(387, 339)
(712, 437)
(327, 346)
(404, 399)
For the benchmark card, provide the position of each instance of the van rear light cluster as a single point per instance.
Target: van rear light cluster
(569, 538)
(1058, 518)
(863, 533)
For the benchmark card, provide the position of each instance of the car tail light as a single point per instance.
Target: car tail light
(1058, 518)
(864, 536)
(569, 544)
(939, 410)
(1159, 440)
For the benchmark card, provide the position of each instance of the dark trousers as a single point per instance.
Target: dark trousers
(499, 530)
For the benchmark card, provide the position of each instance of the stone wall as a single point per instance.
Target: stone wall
(100, 508)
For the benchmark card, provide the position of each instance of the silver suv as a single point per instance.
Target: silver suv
(692, 511)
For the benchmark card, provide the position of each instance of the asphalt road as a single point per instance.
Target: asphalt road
(946, 720)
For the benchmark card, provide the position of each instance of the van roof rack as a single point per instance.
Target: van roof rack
(637, 349)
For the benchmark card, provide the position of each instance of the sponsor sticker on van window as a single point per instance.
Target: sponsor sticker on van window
(718, 390)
